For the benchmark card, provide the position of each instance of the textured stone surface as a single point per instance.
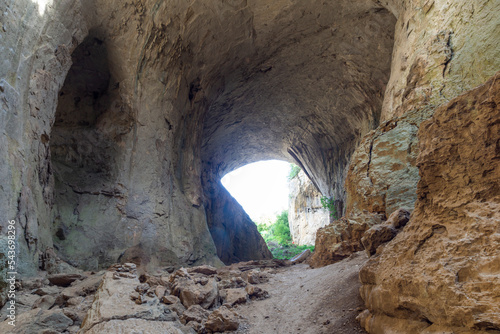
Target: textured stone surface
(442, 270)
(341, 238)
(133, 326)
(385, 232)
(112, 301)
(110, 121)
(383, 175)
(442, 49)
(222, 319)
(305, 212)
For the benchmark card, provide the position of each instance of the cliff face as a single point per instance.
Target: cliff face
(305, 211)
(434, 60)
(442, 272)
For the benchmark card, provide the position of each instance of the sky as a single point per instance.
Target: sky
(261, 188)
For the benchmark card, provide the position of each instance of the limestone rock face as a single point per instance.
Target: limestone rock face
(341, 238)
(305, 212)
(441, 272)
(442, 49)
(433, 61)
(383, 175)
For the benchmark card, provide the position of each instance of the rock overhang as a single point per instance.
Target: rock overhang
(310, 85)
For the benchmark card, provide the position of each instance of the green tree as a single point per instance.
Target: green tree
(294, 171)
(281, 230)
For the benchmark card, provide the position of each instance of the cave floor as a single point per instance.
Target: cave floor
(304, 300)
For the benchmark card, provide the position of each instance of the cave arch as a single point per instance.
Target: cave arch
(300, 82)
(307, 92)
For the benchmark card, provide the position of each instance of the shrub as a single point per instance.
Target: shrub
(278, 238)
(294, 171)
(329, 203)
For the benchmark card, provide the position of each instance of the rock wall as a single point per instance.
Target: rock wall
(234, 233)
(434, 60)
(305, 211)
(442, 272)
(36, 46)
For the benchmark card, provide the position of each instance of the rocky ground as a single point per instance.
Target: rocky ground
(304, 300)
(270, 296)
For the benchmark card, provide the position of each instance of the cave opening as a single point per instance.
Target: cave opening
(261, 188)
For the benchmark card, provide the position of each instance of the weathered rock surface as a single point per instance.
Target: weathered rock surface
(113, 301)
(441, 273)
(432, 62)
(64, 279)
(385, 232)
(383, 175)
(222, 319)
(305, 212)
(341, 238)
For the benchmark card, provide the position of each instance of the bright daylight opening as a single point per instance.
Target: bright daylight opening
(42, 5)
(262, 189)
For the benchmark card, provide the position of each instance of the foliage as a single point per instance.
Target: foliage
(278, 238)
(279, 231)
(294, 171)
(329, 203)
(287, 251)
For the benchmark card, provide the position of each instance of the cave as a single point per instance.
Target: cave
(119, 119)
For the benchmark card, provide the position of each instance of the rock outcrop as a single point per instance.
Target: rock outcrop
(118, 119)
(441, 273)
(234, 233)
(305, 211)
(433, 62)
(341, 238)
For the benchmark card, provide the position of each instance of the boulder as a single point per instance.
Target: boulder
(222, 319)
(385, 232)
(195, 313)
(342, 238)
(169, 299)
(64, 279)
(205, 270)
(256, 292)
(191, 293)
(398, 218)
(38, 321)
(234, 296)
(376, 236)
(45, 302)
(301, 257)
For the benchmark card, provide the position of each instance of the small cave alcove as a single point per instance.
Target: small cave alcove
(90, 121)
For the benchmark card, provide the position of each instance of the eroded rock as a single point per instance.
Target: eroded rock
(222, 319)
(341, 238)
(449, 249)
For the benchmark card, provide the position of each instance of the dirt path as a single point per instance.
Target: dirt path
(305, 300)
